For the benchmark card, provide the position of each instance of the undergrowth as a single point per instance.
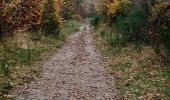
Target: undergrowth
(139, 75)
(19, 66)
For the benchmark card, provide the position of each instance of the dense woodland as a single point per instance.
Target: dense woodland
(34, 15)
(120, 23)
(137, 21)
(135, 35)
(30, 31)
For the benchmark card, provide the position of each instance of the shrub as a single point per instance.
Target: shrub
(122, 26)
(132, 25)
(67, 15)
(51, 19)
(164, 31)
(95, 20)
(159, 25)
(137, 21)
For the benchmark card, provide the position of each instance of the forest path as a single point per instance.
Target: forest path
(76, 72)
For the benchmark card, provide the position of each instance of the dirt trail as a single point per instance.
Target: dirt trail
(76, 72)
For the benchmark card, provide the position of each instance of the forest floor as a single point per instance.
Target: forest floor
(140, 73)
(75, 72)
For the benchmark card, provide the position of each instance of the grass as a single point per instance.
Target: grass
(139, 75)
(68, 28)
(14, 64)
(19, 66)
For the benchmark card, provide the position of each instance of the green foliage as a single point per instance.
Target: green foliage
(70, 8)
(71, 26)
(51, 24)
(23, 56)
(145, 21)
(12, 59)
(95, 20)
(139, 21)
(16, 56)
(122, 28)
(129, 27)
(4, 68)
(67, 15)
(159, 25)
(68, 28)
(164, 31)
(136, 20)
(67, 9)
(5, 72)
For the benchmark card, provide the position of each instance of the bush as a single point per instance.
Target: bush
(159, 25)
(137, 21)
(131, 27)
(122, 27)
(67, 15)
(51, 21)
(164, 31)
(95, 20)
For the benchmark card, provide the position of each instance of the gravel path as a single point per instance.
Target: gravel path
(76, 72)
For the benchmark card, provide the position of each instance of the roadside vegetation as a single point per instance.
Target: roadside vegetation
(30, 32)
(132, 35)
(21, 64)
(133, 38)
